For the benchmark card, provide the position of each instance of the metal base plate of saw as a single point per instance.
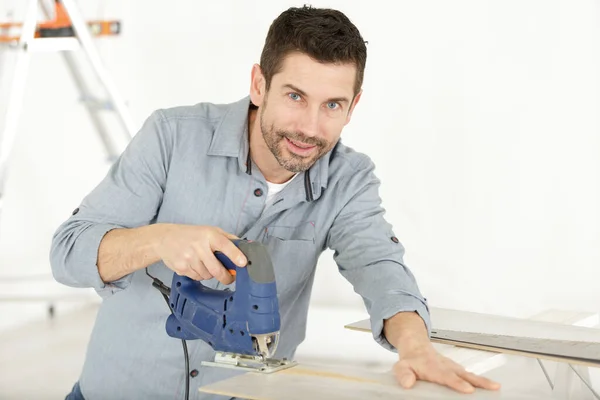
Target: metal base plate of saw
(250, 363)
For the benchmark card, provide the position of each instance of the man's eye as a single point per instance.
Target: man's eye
(332, 105)
(294, 96)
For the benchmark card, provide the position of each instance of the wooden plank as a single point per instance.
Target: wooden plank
(319, 382)
(466, 321)
(482, 361)
(579, 353)
(463, 329)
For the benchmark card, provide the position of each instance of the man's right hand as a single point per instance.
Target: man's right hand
(189, 251)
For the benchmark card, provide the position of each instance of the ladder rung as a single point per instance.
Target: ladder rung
(98, 104)
(53, 44)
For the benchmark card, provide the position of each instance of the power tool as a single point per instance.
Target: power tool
(241, 325)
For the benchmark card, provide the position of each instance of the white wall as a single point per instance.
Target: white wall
(482, 118)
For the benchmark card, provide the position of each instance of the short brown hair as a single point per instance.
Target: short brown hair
(325, 35)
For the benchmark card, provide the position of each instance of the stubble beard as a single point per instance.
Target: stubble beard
(276, 142)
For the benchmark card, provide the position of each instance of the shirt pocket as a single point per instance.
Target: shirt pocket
(293, 252)
(299, 233)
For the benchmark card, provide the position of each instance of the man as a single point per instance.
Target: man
(269, 168)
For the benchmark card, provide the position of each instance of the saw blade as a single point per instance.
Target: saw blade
(265, 344)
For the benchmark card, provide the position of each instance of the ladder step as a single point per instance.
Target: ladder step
(53, 44)
(98, 104)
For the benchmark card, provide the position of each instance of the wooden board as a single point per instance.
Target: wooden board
(311, 382)
(466, 321)
(537, 339)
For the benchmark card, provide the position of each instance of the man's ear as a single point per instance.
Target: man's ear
(354, 103)
(257, 86)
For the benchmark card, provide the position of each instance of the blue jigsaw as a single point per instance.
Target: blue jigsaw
(241, 325)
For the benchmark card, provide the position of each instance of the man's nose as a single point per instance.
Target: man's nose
(309, 123)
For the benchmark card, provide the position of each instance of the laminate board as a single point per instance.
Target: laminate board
(523, 337)
(311, 381)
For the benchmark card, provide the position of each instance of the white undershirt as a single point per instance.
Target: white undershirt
(275, 188)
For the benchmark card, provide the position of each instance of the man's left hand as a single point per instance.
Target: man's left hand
(425, 363)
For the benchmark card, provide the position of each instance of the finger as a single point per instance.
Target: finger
(192, 262)
(180, 266)
(193, 275)
(479, 381)
(407, 380)
(405, 375)
(225, 233)
(201, 270)
(212, 266)
(184, 270)
(453, 381)
(217, 269)
(230, 250)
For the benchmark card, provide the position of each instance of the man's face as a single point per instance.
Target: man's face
(305, 109)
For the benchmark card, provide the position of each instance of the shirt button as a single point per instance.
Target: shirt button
(75, 211)
(194, 373)
(394, 239)
(258, 192)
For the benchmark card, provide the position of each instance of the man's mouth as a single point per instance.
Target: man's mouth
(301, 145)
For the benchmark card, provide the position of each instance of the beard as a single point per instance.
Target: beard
(276, 141)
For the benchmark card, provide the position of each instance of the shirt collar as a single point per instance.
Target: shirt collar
(231, 140)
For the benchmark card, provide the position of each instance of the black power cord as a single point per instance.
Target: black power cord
(166, 291)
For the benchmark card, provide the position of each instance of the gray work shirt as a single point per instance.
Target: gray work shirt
(190, 165)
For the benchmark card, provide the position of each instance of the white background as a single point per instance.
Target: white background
(481, 116)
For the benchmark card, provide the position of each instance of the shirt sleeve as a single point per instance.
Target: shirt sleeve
(128, 196)
(370, 256)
